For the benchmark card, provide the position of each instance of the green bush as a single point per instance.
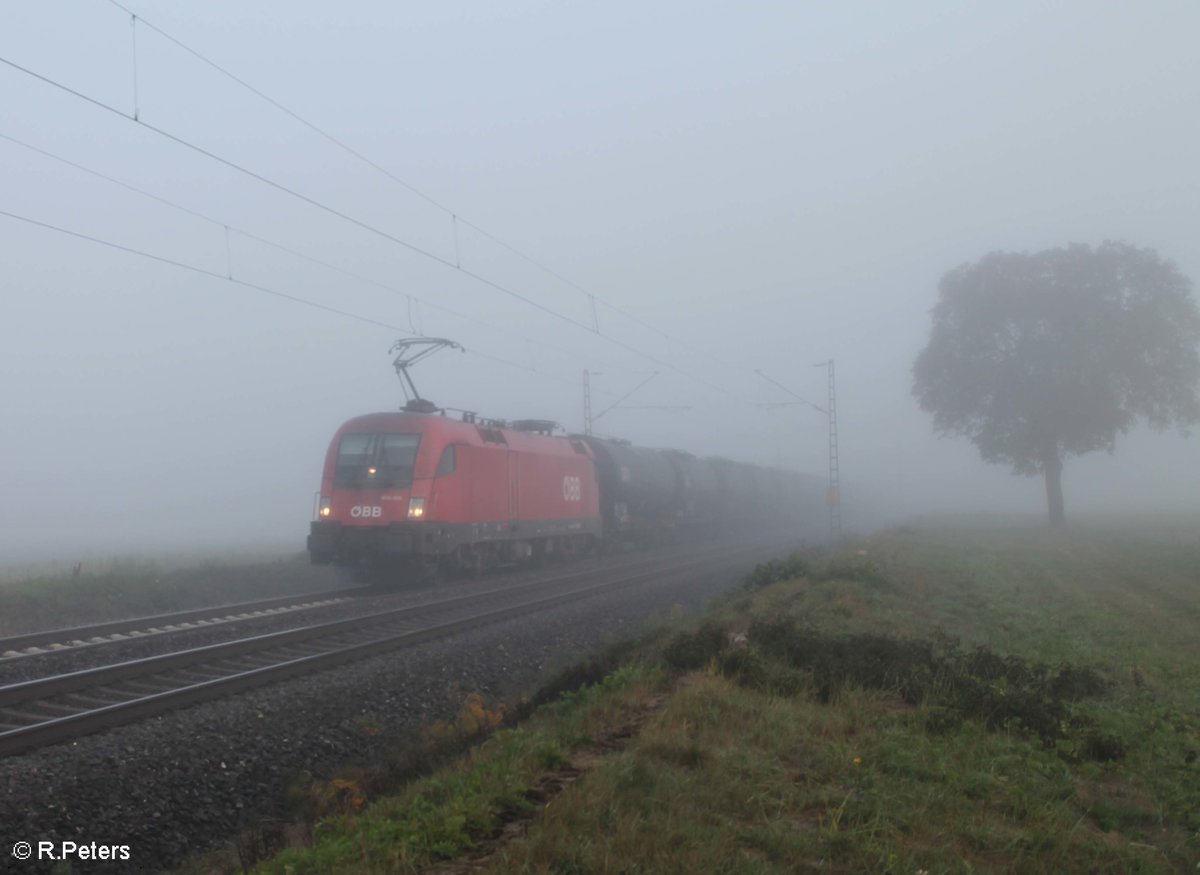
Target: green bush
(1001, 692)
(776, 571)
(687, 651)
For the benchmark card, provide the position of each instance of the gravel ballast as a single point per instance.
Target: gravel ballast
(358, 602)
(180, 784)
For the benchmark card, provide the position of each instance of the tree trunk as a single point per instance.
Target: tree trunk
(1052, 466)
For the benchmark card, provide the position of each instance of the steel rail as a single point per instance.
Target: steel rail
(140, 627)
(54, 730)
(135, 628)
(57, 685)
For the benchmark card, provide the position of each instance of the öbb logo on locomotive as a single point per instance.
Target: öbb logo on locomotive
(366, 511)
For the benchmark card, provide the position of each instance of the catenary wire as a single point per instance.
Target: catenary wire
(454, 215)
(279, 246)
(183, 265)
(800, 399)
(162, 259)
(265, 180)
(399, 241)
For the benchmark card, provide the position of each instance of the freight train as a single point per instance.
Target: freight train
(414, 495)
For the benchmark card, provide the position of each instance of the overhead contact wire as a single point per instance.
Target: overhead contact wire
(279, 246)
(183, 265)
(345, 217)
(408, 186)
(162, 259)
(265, 180)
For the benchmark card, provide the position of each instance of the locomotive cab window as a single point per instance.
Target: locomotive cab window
(375, 461)
(447, 463)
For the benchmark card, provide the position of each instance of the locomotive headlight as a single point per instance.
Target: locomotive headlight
(416, 508)
(326, 507)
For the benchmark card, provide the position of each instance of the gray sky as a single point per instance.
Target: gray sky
(769, 184)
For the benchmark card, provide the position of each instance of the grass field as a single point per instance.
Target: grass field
(115, 589)
(934, 699)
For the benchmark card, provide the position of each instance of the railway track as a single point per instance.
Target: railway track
(51, 710)
(117, 631)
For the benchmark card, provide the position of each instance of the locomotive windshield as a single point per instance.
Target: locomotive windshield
(375, 461)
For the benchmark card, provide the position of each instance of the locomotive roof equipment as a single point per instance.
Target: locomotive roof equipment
(409, 351)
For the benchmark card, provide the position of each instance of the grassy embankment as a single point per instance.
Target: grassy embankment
(934, 699)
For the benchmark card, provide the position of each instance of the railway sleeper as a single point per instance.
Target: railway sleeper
(90, 700)
(25, 718)
(59, 709)
(136, 688)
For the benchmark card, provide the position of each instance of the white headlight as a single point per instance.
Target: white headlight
(416, 508)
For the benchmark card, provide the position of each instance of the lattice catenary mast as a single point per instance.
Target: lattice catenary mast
(834, 498)
(587, 402)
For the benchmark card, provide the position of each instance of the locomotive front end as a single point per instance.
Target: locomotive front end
(372, 509)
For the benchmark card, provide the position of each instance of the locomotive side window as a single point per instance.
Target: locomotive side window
(447, 463)
(375, 461)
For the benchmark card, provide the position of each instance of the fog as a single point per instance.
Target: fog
(741, 188)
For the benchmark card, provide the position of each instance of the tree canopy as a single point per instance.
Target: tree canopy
(1039, 356)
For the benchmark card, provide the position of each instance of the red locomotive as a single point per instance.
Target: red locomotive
(412, 494)
(424, 492)
(409, 495)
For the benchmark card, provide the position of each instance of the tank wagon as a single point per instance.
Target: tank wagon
(412, 494)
